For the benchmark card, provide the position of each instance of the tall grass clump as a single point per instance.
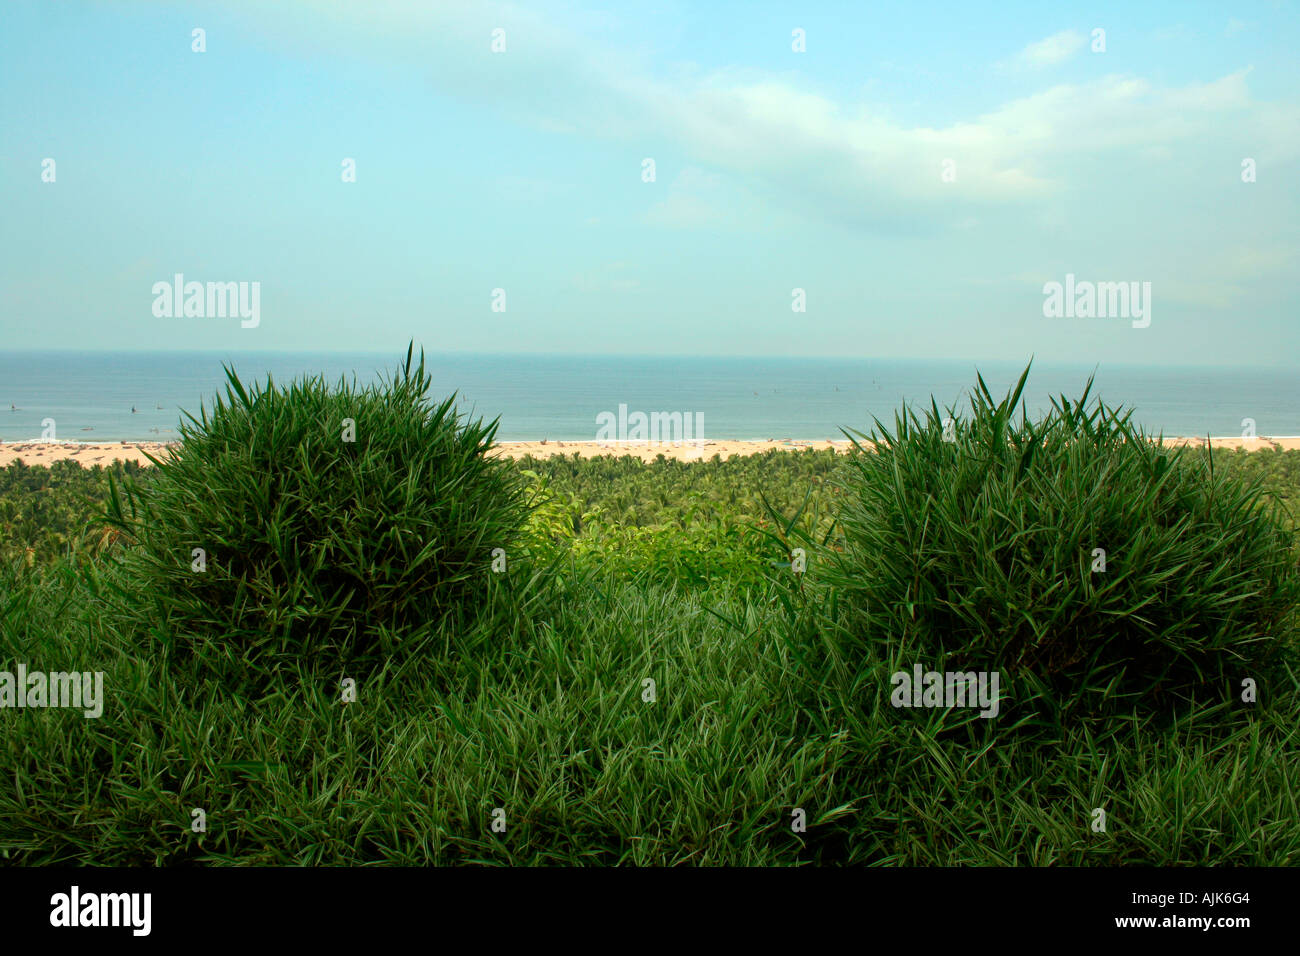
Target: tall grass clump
(314, 523)
(976, 544)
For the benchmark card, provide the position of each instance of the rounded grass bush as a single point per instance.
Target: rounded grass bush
(1095, 569)
(315, 523)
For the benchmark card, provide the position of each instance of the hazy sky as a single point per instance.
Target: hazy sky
(775, 170)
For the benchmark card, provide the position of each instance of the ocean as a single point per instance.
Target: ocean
(139, 396)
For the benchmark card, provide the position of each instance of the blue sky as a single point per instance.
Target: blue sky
(775, 170)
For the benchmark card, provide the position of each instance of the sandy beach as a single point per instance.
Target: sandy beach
(90, 454)
(649, 451)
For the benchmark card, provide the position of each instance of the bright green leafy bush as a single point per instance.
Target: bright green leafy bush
(333, 522)
(977, 550)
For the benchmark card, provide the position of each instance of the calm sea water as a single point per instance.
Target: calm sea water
(90, 395)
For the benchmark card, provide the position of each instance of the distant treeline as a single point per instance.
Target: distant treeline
(633, 511)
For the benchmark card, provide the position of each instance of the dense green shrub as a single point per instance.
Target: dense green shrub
(971, 546)
(333, 521)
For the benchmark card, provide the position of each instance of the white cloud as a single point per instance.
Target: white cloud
(781, 141)
(699, 199)
(1258, 263)
(693, 201)
(609, 278)
(1050, 51)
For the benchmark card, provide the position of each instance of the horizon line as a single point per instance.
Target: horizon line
(642, 355)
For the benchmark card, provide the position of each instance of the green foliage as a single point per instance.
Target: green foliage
(319, 543)
(632, 493)
(554, 728)
(693, 524)
(1277, 473)
(770, 694)
(977, 553)
(47, 513)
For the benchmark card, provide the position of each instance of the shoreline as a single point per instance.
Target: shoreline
(105, 453)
